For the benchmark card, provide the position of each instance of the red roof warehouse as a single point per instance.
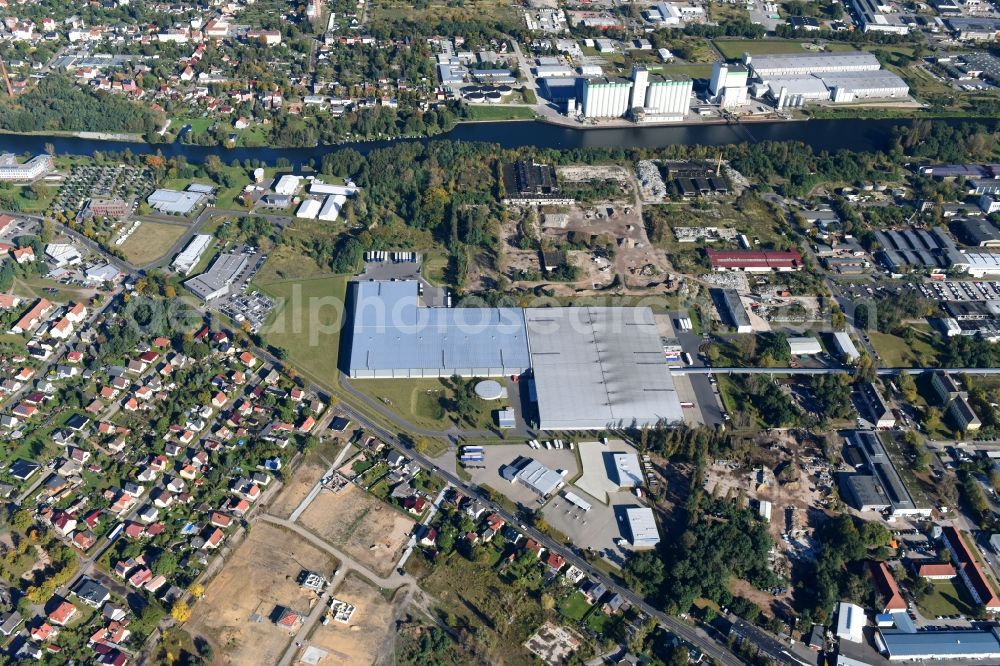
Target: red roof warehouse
(757, 261)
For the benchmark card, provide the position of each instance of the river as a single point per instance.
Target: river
(830, 135)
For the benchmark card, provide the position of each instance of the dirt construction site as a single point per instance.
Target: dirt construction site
(361, 525)
(235, 613)
(306, 475)
(359, 641)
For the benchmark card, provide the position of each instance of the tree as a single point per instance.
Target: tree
(22, 520)
(947, 489)
(197, 590)
(932, 418)
(865, 369)
(165, 564)
(907, 386)
(180, 611)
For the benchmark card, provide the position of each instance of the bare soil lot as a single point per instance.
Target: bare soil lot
(361, 525)
(358, 642)
(308, 473)
(260, 575)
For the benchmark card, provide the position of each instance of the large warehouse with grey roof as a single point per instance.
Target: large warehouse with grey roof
(592, 367)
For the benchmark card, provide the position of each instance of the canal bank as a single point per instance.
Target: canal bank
(828, 135)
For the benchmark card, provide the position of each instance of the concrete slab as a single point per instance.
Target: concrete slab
(685, 393)
(596, 529)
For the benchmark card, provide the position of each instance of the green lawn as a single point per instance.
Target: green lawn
(574, 606)
(733, 49)
(948, 598)
(434, 268)
(307, 323)
(897, 352)
(288, 263)
(499, 112)
(694, 71)
(419, 401)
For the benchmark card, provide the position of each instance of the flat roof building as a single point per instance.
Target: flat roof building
(214, 283)
(599, 367)
(529, 182)
(627, 472)
(976, 264)
(874, 16)
(592, 367)
(535, 475)
(845, 346)
(642, 527)
(851, 622)
(173, 202)
(188, 258)
(392, 336)
(885, 480)
(976, 232)
(949, 644)
(804, 346)
(978, 29)
(767, 66)
(732, 310)
(14, 172)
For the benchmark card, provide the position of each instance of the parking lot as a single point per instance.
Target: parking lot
(597, 529)
(240, 306)
(954, 290)
(498, 455)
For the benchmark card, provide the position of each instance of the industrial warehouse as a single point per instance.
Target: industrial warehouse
(795, 79)
(591, 367)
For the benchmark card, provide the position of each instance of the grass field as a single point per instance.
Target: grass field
(734, 49)
(419, 401)
(487, 12)
(574, 606)
(897, 352)
(434, 267)
(288, 263)
(478, 599)
(499, 112)
(948, 598)
(35, 288)
(694, 71)
(307, 323)
(151, 241)
(224, 197)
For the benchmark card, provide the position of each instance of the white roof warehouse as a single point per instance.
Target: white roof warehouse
(593, 367)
